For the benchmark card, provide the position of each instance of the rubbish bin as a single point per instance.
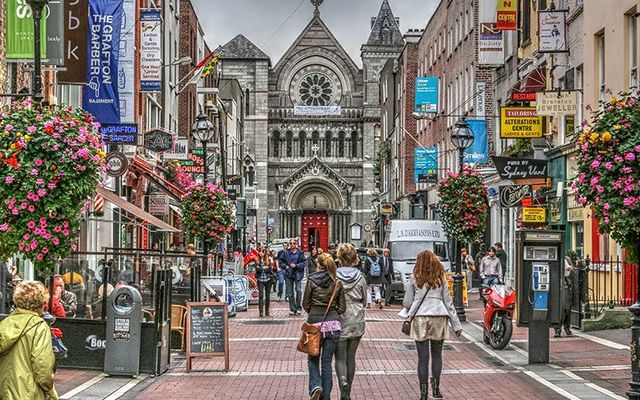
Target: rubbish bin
(124, 324)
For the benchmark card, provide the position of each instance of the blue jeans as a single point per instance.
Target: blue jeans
(491, 280)
(295, 296)
(320, 371)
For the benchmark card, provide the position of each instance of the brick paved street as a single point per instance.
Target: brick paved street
(265, 365)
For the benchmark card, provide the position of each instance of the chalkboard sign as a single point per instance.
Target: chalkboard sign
(207, 331)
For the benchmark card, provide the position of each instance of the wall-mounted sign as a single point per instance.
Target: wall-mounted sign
(520, 168)
(523, 96)
(481, 99)
(511, 196)
(534, 215)
(317, 110)
(556, 103)
(179, 152)
(158, 140)
(158, 204)
(194, 164)
(150, 50)
(520, 123)
(386, 208)
(490, 38)
(356, 232)
(425, 164)
(126, 64)
(552, 32)
(76, 35)
(507, 15)
(117, 164)
(119, 133)
(478, 152)
(426, 96)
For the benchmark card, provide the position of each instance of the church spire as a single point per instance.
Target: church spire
(317, 4)
(385, 29)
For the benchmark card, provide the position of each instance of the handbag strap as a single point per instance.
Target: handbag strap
(420, 305)
(333, 294)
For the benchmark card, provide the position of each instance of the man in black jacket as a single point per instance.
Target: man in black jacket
(293, 262)
(389, 276)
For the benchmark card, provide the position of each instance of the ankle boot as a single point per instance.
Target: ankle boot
(345, 390)
(424, 391)
(435, 387)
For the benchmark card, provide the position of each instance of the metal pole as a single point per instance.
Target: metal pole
(634, 392)
(36, 7)
(205, 249)
(457, 277)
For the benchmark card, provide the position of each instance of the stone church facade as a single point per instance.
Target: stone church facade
(311, 126)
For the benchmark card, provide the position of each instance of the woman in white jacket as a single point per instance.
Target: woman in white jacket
(427, 301)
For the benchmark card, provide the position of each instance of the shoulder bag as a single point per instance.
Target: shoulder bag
(309, 342)
(406, 325)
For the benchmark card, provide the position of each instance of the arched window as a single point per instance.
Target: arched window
(303, 143)
(341, 137)
(276, 144)
(354, 144)
(289, 143)
(315, 137)
(328, 140)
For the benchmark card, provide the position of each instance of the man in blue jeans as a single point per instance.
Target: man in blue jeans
(491, 268)
(293, 261)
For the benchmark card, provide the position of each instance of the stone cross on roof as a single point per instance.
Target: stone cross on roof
(317, 4)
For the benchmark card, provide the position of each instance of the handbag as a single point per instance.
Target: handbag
(309, 342)
(406, 325)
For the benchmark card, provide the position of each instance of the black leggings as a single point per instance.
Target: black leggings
(423, 359)
(346, 360)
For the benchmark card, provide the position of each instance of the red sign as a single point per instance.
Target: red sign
(507, 15)
(527, 202)
(523, 96)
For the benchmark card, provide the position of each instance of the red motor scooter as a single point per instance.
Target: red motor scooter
(499, 303)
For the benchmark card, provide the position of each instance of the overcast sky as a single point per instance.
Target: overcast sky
(348, 20)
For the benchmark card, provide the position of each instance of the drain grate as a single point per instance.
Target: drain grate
(265, 322)
(412, 346)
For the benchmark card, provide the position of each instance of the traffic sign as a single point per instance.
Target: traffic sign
(269, 229)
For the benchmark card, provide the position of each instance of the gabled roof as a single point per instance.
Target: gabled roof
(242, 48)
(315, 166)
(316, 34)
(385, 30)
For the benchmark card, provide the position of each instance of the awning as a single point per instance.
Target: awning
(135, 211)
(525, 90)
(176, 209)
(160, 182)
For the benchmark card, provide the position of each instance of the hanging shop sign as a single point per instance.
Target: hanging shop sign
(100, 95)
(76, 34)
(158, 204)
(317, 110)
(512, 195)
(534, 215)
(150, 50)
(478, 152)
(119, 133)
(552, 31)
(126, 62)
(481, 101)
(194, 164)
(523, 96)
(520, 168)
(19, 33)
(490, 38)
(556, 103)
(158, 140)
(179, 151)
(425, 165)
(520, 123)
(117, 164)
(426, 96)
(386, 208)
(507, 15)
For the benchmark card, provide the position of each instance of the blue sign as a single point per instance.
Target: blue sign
(426, 99)
(100, 95)
(425, 163)
(119, 133)
(478, 152)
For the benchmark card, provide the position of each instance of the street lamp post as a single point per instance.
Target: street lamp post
(462, 138)
(37, 6)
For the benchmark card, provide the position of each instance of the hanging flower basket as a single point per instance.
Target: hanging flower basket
(608, 173)
(50, 163)
(464, 205)
(206, 213)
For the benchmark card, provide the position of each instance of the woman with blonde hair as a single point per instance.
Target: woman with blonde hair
(428, 303)
(325, 302)
(26, 354)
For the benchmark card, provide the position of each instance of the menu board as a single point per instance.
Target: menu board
(207, 331)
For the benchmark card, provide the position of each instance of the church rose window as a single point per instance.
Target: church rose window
(316, 89)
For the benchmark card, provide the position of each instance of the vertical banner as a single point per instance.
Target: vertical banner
(478, 152)
(100, 95)
(76, 36)
(552, 31)
(19, 34)
(126, 81)
(490, 38)
(507, 15)
(426, 97)
(481, 99)
(425, 165)
(150, 51)
(55, 13)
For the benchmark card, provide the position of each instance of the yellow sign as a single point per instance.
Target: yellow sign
(519, 123)
(534, 215)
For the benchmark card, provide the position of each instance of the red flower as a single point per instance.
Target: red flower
(13, 161)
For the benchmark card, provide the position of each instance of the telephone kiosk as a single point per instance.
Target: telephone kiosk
(539, 278)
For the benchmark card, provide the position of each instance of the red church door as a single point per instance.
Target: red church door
(315, 230)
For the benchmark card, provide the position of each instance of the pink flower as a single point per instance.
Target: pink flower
(52, 185)
(628, 188)
(618, 159)
(31, 129)
(595, 164)
(31, 224)
(38, 162)
(629, 201)
(630, 156)
(26, 236)
(626, 170)
(8, 128)
(65, 232)
(41, 192)
(582, 200)
(39, 181)
(608, 165)
(9, 180)
(39, 118)
(23, 205)
(606, 220)
(55, 241)
(31, 208)
(34, 172)
(34, 245)
(83, 153)
(57, 229)
(47, 236)
(594, 181)
(40, 256)
(637, 148)
(65, 224)
(4, 227)
(37, 231)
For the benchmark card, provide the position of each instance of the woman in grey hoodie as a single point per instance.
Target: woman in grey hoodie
(355, 289)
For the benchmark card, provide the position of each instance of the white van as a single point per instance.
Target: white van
(407, 238)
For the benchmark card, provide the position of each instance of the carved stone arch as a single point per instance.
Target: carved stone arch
(328, 195)
(316, 57)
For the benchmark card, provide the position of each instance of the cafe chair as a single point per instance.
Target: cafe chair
(178, 322)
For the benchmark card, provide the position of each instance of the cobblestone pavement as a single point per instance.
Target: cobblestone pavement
(265, 365)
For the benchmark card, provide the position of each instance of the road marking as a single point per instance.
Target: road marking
(487, 350)
(605, 391)
(411, 372)
(602, 341)
(83, 387)
(128, 386)
(292, 338)
(550, 385)
(572, 375)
